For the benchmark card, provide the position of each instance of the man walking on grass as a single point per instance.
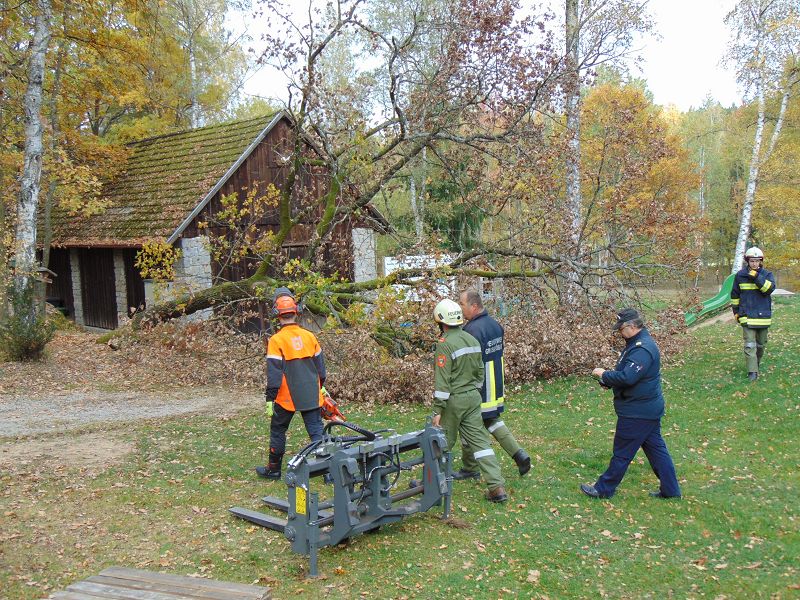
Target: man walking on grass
(751, 301)
(458, 373)
(490, 335)
(639, 404)
(295, 375)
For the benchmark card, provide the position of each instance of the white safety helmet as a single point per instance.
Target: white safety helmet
(448, 312)
(754, 252)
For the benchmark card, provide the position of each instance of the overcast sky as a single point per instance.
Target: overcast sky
(681, 68)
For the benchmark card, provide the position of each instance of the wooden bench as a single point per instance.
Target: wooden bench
(135, 584)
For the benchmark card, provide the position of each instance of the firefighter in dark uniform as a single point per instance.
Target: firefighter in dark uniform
(295, 375)
(751, 301)
(458, 375)
(489, 334)
(639, 404)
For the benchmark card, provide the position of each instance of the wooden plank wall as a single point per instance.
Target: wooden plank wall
(263, 167)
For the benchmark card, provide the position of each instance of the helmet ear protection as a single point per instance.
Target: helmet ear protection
(283, 303)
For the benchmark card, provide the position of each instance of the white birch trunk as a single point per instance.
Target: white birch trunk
(416, 209)
(27, 205)
(573, 117)
(573, 158)
(756, 161)
(193, 108)
(702, 205)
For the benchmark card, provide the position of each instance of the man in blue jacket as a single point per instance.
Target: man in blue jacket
(751, 301)
(639, 404)
(490, 335)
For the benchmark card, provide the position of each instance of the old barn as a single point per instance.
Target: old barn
(169, 185)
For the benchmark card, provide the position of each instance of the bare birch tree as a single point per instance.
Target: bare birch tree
(765, 48)
(596, 32)
(28, 203)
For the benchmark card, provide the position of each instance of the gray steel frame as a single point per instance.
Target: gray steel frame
(359, 471)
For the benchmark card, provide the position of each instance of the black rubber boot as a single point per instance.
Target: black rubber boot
(273, 468)
(523, 461)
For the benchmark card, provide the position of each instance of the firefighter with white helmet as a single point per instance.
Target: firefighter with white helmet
(751, 301)
(459, 374)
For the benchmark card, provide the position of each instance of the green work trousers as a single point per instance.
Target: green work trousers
(754, 342)
(462, 415)
(501, 433)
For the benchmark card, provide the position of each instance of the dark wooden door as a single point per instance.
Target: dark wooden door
(134, 284)
(59, 290)
(98, 288)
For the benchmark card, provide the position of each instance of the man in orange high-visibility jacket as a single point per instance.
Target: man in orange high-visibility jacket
(295, 375)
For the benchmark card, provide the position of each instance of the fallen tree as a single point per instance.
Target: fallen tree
(468, 87)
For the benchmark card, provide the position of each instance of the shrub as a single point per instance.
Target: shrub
(22, 339)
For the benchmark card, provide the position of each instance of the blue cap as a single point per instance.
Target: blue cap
(625, 315)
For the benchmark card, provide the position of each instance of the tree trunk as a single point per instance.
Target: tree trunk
(47, 226)
(756, 161)
(216, 295)
(702, 204)
(573, 154)
(416, 207)
(25, 244)
(573, 118)
(3, 264)
(752, 178)
(193, 108)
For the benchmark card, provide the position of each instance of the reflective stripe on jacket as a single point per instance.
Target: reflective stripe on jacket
(751, 297)
(489, 334)
(458, 367)
(295, 369)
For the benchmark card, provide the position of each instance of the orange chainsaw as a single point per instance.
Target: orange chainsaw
(330, 410)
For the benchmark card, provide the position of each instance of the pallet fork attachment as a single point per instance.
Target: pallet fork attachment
(364, 471)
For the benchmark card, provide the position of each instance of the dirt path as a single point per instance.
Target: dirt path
(74, 407)
(41, 431)
(723, 317)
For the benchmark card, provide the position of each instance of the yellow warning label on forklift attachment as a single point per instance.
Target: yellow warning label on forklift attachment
(300, 501)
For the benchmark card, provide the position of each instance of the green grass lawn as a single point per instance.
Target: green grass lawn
(735, 534)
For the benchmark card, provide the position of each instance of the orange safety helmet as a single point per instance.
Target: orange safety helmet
(284, 305)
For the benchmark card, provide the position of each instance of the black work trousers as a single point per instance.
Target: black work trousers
(279, 424)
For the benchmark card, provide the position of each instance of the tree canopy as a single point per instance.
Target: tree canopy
(457, 117)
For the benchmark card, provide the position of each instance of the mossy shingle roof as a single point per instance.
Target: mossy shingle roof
(164, 180)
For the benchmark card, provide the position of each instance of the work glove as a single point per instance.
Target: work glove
(753, 273)
(270, 408)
